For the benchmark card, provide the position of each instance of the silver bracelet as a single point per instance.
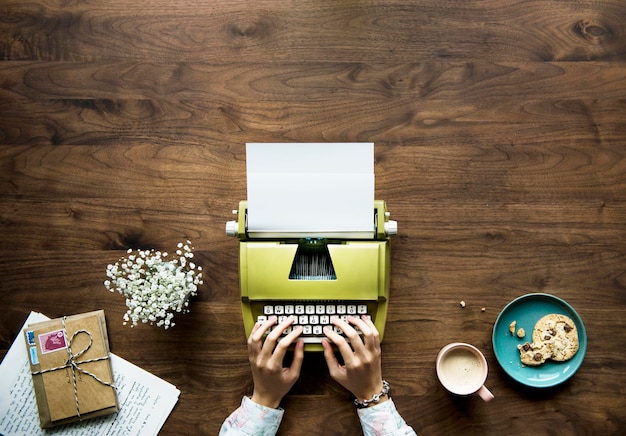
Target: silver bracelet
(374, 399)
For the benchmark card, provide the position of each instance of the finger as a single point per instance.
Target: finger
(331, 334)
(331, 359)
(298, 358)
(372, 337)
(361, 324)
(259, 329)
(369, 322)
(369, 333)
(343, 325)
(281, 348)
(293, 335)
(350, 333)
(340, 342)
(273, 336)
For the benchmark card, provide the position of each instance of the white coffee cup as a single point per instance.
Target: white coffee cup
(462, 370)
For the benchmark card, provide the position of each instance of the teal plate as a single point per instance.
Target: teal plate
(526, 311)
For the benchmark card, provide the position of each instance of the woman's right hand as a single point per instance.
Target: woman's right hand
(361, 372)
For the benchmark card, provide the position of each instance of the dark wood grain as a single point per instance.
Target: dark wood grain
(313, 31)
(500, 149)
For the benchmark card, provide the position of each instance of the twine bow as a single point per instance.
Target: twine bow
(74, 364)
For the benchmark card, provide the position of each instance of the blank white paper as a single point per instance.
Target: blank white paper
(311, 189)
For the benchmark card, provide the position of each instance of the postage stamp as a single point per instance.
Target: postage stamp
(52, 341)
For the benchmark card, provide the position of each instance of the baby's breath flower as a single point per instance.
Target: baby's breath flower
(154, 286)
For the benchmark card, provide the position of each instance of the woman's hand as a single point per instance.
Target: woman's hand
(361, 372)
(271, 380)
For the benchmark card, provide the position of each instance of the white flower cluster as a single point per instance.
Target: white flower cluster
(154, 286)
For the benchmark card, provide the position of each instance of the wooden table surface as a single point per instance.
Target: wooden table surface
(500, 149)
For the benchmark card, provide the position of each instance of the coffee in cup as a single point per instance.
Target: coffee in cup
(462, 370)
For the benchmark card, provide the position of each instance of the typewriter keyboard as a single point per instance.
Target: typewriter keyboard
(313, 317)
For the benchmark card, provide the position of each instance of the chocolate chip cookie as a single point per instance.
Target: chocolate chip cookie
(554, 337)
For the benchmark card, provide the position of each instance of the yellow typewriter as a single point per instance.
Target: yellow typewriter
(313, 241)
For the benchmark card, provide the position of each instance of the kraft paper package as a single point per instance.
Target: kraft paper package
(71, 369)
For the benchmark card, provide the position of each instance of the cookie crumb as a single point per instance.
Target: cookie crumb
(462, 304)
(512, 327)
(482, 309)
(521, 333)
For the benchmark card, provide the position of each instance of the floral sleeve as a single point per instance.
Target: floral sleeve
(383, 419)
(252, 419)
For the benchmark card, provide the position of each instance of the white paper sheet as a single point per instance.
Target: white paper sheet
(145, 400)
(310, 189)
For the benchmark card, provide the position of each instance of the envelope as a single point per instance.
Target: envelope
(71, 369)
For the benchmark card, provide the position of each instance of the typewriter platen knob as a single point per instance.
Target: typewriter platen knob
(391, 227)
(232, 228)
